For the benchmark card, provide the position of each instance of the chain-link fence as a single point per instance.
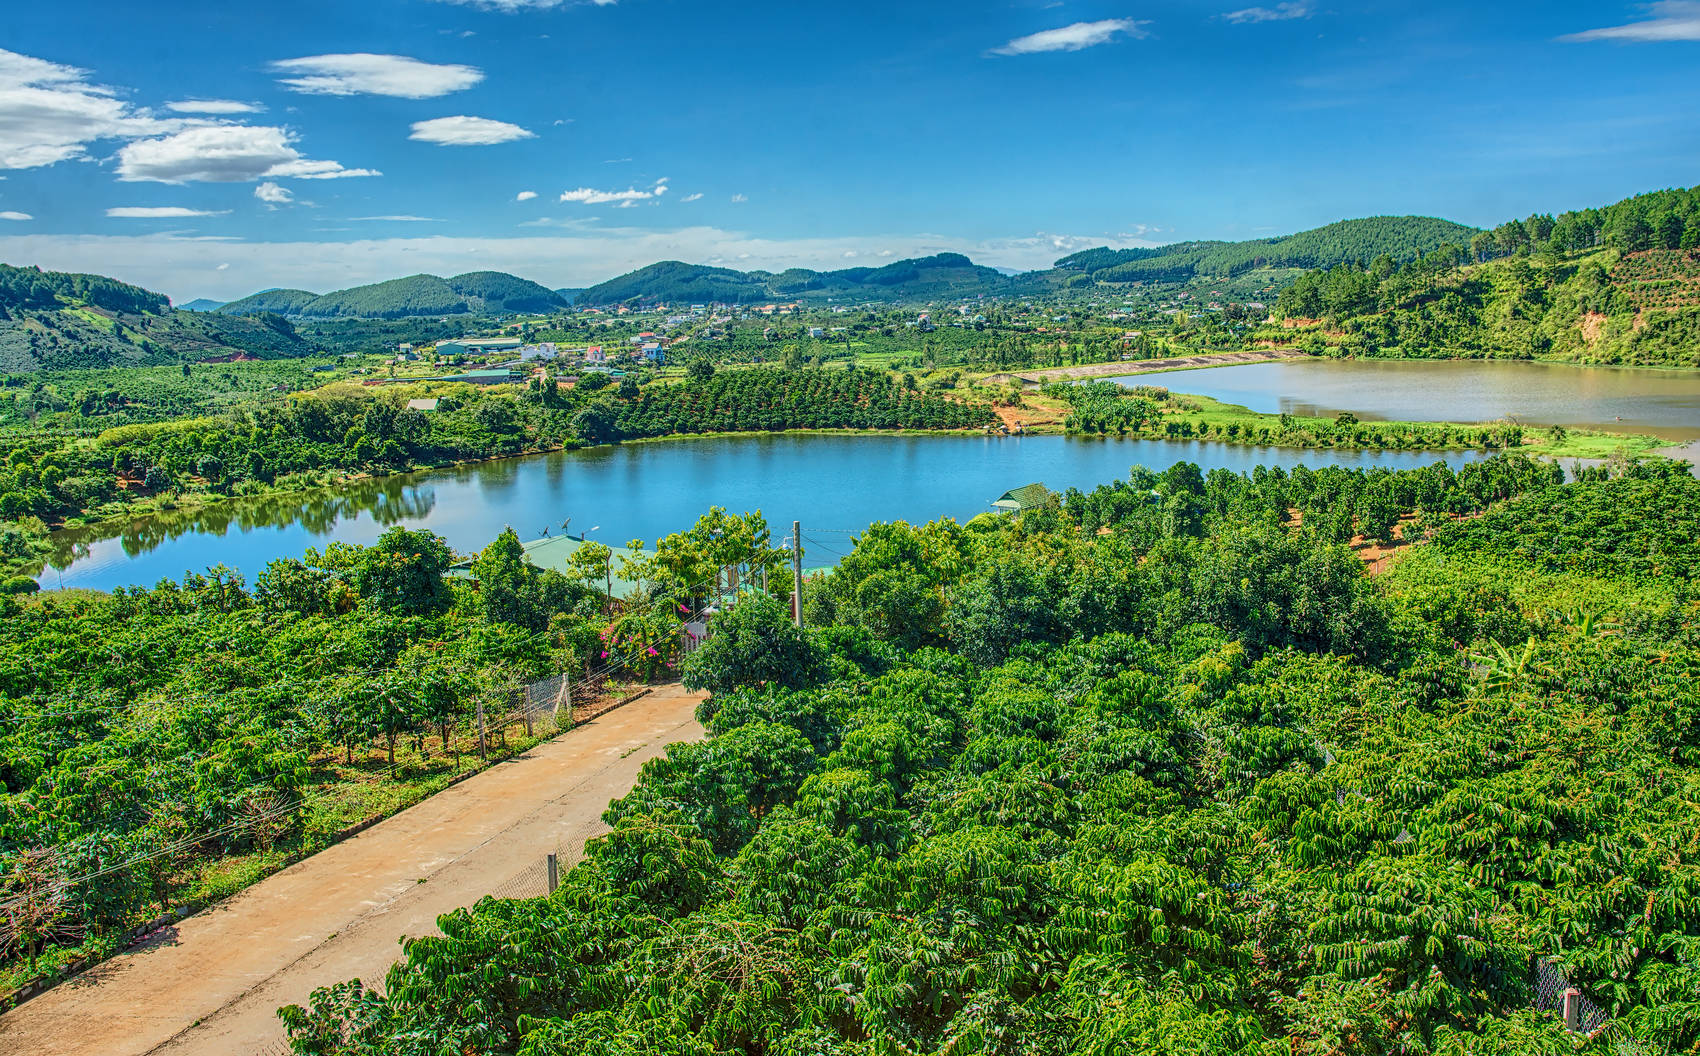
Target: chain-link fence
(1553, 993)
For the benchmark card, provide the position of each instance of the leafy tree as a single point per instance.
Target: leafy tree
(754, 644)
(403, 572)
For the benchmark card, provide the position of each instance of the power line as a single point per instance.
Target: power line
(823, 546)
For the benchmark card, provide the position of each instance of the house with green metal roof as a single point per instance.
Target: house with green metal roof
(555, 551)
(1022, 499)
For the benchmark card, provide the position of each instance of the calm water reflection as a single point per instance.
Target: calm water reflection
(1658, 402)
(648, 490)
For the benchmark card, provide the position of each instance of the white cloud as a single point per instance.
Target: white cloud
(525, 196)
(691, 197)
(367, 74)
(13, 214)
(625, 198)
(212, 106)
(738, 198)
(274, 195)
(1076, 37)
(224, 154)
(1278, 13)
(159, 212)
(463, 131)
(50, 113)
(1671, 20)
(403, 218)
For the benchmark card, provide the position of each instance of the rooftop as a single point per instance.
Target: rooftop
(554, 551)
(1026, 497)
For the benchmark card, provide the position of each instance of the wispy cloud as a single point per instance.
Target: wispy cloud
(213, 106)
(160, 212)
(691, 197)
(224, 154)
(13, 214)
(1076, 37)
(629, 196)
(1278, 13)
(362, 73)
(525, 196)
(274, 195)
(50, 113)
(738, 199)
(400, 218)
(463, 131)
(1670, 20)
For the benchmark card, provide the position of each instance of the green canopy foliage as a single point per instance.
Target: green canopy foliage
(1175, 784)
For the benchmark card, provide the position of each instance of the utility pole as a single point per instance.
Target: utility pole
(797, 572)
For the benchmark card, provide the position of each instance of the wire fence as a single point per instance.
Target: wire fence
(1579, 1013)
(1553, 993)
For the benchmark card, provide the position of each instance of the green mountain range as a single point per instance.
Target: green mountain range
(1271, 261)
(941, 276)
(475, 293)
(51, 320)
(1260, 264)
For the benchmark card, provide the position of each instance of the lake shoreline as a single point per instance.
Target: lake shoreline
(1215, 410)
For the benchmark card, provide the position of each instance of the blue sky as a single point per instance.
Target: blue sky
(211, 149)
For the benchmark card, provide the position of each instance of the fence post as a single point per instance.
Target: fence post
(525, 703)
(1573, 1010)
(554, 874)
(483, 743)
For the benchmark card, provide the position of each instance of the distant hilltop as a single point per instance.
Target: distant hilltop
(475, 293)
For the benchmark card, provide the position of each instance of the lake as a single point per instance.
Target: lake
(1663, 403)
(834, 484)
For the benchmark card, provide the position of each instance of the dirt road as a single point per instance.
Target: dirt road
(211, 985)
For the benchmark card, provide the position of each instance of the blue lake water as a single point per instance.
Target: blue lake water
(1657, 402)
(834, 484)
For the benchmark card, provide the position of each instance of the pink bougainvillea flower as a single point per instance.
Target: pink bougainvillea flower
(604, 654)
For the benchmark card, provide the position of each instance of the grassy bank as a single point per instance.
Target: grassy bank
(1545, 442)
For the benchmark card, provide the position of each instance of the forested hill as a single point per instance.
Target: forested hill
(474, 293)
(950, 275)
(1399, 237)
(52, 319)
(941, 276)
(1619, 284)
(283, 302)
